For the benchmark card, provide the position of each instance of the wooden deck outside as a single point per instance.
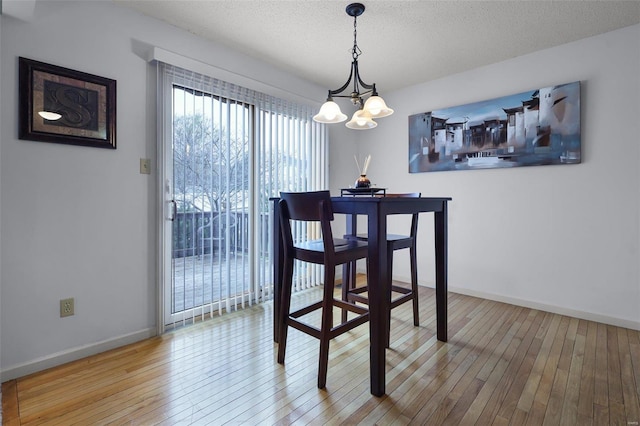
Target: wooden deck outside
(208, 278)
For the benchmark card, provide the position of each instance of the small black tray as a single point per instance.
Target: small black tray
(361, 191)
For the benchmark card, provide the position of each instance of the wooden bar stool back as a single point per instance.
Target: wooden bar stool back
(330, 252)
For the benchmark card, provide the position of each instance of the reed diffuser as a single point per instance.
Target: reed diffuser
(363, 181)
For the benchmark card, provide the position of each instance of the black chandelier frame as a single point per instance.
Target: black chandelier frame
(355, 10)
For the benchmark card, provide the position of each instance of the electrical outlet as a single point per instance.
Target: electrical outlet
(67, 307)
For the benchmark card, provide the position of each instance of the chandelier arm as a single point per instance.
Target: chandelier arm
(344, 87)
(357, 80)
(362, 83)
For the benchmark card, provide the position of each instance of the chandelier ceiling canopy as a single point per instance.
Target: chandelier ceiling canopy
(373, 107)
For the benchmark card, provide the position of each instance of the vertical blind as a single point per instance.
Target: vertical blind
(233, 149)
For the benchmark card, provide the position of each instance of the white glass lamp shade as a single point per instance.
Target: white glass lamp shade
(361, 120)
(329, 113)
(376, 106)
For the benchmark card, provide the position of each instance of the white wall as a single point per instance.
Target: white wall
(80, 222)
(563, 238)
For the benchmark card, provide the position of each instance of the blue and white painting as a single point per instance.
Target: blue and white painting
(534, 128)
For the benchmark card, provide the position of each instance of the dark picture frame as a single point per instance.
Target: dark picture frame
(82, 106)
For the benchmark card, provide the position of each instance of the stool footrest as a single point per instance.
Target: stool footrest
(363, 316)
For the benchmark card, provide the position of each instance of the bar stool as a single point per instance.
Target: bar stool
(330, 252)
(352, 293)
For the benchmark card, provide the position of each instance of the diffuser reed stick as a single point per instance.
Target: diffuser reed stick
(367, 161)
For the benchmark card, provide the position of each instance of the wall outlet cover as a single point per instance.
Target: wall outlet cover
(67, 307)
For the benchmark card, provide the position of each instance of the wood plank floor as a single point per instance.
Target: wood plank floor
(503, 364)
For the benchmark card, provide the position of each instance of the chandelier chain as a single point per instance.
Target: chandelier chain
(355, 52)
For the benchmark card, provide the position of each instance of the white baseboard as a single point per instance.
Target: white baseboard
(13, 372)
(589, 316)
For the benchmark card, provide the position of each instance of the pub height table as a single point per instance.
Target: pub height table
(377, 209)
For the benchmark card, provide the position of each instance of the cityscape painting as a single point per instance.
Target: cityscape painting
(534, 128)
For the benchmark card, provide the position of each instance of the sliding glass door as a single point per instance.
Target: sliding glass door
(225, 152)
(211, 218)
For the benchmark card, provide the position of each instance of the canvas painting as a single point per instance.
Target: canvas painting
(533, 128)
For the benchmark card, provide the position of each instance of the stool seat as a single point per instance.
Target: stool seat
(396, 239)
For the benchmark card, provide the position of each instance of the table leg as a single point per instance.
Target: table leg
(440, 220)
(378, 300)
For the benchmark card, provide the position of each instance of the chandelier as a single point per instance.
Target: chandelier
(373, 107)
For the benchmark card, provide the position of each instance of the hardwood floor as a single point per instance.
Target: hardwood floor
(503, 364)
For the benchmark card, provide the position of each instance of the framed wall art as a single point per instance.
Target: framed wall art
(61, 105)
(533, 128)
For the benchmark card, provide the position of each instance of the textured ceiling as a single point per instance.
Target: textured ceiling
(403, 42)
